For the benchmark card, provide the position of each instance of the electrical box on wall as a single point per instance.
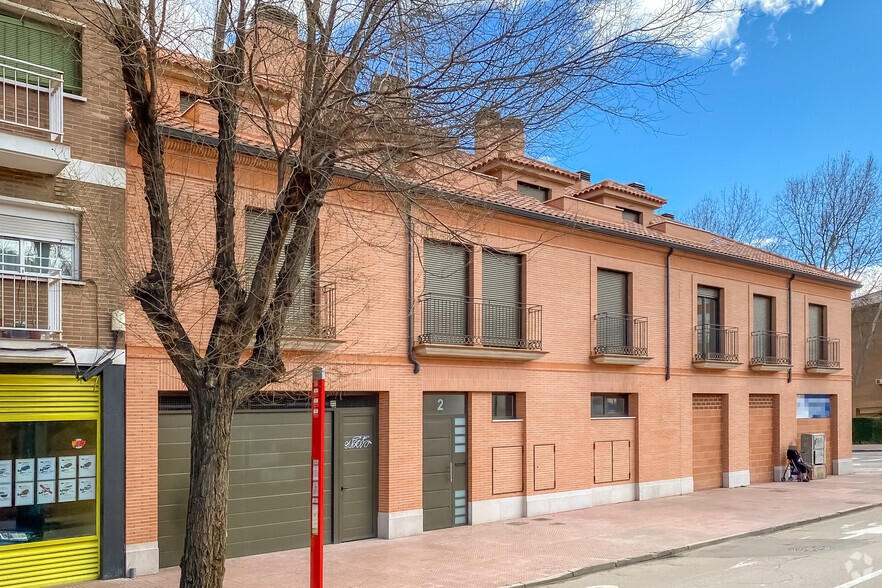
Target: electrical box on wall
(118, 321)
(814, 448)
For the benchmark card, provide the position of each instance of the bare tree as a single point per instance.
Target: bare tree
(737, 213)
(831, 217)
(377, 87)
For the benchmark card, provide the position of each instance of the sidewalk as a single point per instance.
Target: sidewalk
(528, 550)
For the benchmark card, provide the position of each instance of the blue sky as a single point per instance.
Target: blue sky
(810, 86)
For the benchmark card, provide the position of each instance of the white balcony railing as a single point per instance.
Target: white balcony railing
(30, 305)
(32, 97)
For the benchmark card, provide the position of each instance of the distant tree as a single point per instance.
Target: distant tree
(831, 217)
(737, 213)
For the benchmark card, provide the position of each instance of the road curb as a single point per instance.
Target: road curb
(575, 573)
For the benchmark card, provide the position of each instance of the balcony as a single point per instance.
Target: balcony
(30, 317)
(716, 347)
(822, 355)
(31, 117)
(620, 339)
(771, 351)
(483, 329)
(313, 326)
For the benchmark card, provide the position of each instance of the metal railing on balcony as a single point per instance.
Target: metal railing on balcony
(621, 334)
(30, 306)
(822, 352)
(770, 348)
(32, 97)
(315, 318)
(716, 343)
(450, 320)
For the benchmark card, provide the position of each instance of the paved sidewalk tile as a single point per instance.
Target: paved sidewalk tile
(524, 550)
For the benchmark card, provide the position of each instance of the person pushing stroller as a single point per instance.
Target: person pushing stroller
(795, 464)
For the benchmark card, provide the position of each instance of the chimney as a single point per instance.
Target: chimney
(391, 97)
(585, 176)
(638, 186)
(667, 215)
(275, 15)
(497, 134)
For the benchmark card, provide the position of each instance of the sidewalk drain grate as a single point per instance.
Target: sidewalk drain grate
(558, 523)
(858, 502)
(542, 519)
(518, 523)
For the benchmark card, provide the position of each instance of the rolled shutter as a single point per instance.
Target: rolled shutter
(762, 313)
(301, 315)
(612, 292)
(501, 310)
(45, 45)
(19, 222)
(445, 292)
(816, 321)
(706, 292)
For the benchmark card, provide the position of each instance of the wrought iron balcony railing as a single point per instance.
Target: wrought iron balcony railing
(770, 348)
(450, 320)
(716, 343)
(621, 334)
(31, 97)
(822, 352)
(316, 317)
(30, 305)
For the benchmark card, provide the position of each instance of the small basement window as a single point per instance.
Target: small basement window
(533, 191)
(609, 405)
(631, 215)
(504, 407)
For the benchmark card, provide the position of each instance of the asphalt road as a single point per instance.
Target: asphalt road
(836, 553)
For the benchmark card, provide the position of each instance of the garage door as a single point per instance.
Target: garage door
(762, 438)
(269, 482)
(707, 441)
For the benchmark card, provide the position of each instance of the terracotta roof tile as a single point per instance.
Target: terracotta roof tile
(525, 161)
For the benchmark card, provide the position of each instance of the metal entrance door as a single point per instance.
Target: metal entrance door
(445, 465)
(357, 487)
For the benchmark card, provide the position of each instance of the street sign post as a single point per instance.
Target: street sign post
(317, 496)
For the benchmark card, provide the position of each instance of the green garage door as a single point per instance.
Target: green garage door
(269, 482)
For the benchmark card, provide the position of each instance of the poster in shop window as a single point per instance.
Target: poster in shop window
(45, 492)
(87, 489)
(5, 471)
(67, 490)
(46, 468)
(5, 495)
(24, 470)
(67, 467)
(24, 494)
(87, 466)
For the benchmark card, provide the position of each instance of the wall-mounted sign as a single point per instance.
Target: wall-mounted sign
(5, 495)
(24, 470)
(86, 489)
(67, 490)
(46, 468)
(46, 492)
(87, 466)
(5, 471)
(358, 442)
(78, 443)
(67, 467)
(24, 494)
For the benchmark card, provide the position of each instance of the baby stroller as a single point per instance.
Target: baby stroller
(796, 468)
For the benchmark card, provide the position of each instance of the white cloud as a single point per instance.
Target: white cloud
(741, 60)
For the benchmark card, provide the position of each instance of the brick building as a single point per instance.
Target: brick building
(569, 347)
(62, 185)
(866, 355)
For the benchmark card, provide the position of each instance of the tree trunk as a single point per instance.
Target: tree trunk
(202, 565)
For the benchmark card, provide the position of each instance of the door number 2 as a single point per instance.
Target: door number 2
(440, 404)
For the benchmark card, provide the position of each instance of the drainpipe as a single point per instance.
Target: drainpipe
(410, 355)
(668, 314)
(790, 326)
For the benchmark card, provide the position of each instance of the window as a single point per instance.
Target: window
(813, 406)
(504, 407)
(764, 340)
(42, 44)
(187, 100)
(533, 191)
(445, 291)
(501, 306)
(609, 405)
(614, 326)
(817, 320)
(38, 239)
(631, 215)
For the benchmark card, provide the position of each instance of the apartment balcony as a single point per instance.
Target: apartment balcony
(716, 347)
(30, 317)
(771, 351)
(31, 117)
(822, 355)
(620, 339)
(476, 328)
(312, 326)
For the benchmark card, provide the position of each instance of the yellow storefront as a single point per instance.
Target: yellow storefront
(50, 473)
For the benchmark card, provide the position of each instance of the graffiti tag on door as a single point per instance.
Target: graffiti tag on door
(358, 442)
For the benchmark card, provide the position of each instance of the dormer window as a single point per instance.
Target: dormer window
(631, 215)
(533, 191)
